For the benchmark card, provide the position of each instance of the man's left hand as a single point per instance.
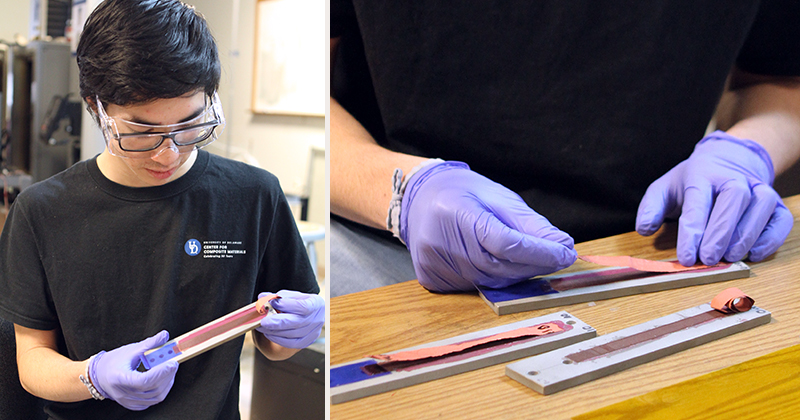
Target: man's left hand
(299, 321)
(725, 200)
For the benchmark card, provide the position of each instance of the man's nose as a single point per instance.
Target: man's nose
(167, 153)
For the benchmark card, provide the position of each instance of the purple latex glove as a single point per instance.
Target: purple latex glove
(465, 230)
(299, 322)
(725, 200)
(114, 375)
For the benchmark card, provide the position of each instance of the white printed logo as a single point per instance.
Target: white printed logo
(192, 247)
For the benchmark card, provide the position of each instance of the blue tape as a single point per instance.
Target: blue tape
(348, 374)
(159, 356)
(521, 290)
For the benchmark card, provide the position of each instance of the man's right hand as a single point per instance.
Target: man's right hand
(464, 230)
(115, 376)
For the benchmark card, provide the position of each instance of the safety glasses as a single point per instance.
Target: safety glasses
(133, 140)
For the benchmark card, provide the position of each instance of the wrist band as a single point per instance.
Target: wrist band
(85, 379)
(398, 189)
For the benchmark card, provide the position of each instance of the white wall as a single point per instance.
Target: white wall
(280, 144)
(14, 18)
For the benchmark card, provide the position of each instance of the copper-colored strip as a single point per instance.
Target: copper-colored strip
(228, 323)
(470, 348)
(732, 300)
(596, 278)
(219, 327)
(411, 365)
(644, 336)
(641, 264)
(426, 352)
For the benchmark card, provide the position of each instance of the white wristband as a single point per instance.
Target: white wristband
(398, 189)
(86, 381)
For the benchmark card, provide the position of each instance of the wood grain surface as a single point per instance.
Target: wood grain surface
(771, 383)
(405, 315)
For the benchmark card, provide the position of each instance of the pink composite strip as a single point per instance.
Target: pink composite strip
(220, 327)
(732, 300)
(243, 319)
(410, 358)
(641, 264)
(423, 353)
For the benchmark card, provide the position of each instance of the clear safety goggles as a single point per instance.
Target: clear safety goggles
(129, 139)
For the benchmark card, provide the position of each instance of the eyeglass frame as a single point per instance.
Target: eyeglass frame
(108, 126)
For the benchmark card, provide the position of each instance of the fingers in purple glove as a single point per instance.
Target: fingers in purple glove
(691, 225)
(298, 306)
(731, 175)
(773, 236)
(153, 385)
(154, 341)
(518, 216)
(755, 218)
(483, 246)
(113, 374)
(289, 333)
(288, 326)
(731, 201)
(658, 202)
(520, 255)
(300, 321)
(290, 330)
(463, 230)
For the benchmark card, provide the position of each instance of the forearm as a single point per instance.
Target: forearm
(47, 374)
(271, 350)
(765, 110)
(361, 170)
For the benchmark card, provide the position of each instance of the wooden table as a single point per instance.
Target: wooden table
(404, 315)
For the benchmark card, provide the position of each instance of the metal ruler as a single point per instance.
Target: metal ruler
(601, 356)
(210, 335)
(604, 283)
(365, 377)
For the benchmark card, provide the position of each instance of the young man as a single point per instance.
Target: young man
(152, 237)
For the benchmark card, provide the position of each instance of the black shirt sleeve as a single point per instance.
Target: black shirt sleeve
(773, 44)
(24, 295)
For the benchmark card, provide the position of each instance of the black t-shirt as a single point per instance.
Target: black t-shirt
(577, 106)
(109, 265)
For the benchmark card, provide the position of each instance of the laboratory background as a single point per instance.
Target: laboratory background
(273, 81)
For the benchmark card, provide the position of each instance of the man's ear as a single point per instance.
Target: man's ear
(90, 105)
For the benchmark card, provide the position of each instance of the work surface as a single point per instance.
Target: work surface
(404, 315)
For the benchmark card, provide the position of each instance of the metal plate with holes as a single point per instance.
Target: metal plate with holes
(348, 382)
(550, 291)
(555, 371)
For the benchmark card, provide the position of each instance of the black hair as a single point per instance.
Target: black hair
(137, 51)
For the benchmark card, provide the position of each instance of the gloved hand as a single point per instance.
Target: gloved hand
(299, 321)
(465, 230)
(114, 375)
(725, 200)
